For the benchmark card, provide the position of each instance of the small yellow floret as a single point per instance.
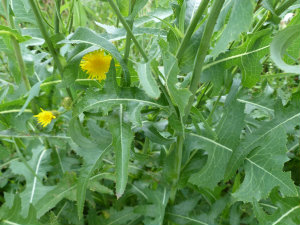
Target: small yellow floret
(45, 117)
(96, 64)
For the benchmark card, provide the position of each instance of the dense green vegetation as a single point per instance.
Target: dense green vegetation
(149, 112)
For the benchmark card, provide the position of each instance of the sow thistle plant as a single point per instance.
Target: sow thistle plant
(150, 112)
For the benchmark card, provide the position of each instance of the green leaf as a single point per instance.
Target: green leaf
(51, 198)
(11, 215)
(228, 133)
(179, 96)
(138, 6)
(95, 99)
(34, 92)
(288, 211)
(284, 118)
(85, 35)
(93, 159)
(147, 81)
(122, 139)
(12, 32)
(279, 45)
(154, 210)
(239, 21)
(35, 189)
(247, 57)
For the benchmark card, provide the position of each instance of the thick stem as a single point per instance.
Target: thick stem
(127, 28)
(202, 51)
(191, 28)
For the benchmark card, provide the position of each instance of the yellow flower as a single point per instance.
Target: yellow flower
(45, 117)
(96, 64)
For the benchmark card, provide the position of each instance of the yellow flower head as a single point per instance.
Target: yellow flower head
(45, 117)
(96, 64)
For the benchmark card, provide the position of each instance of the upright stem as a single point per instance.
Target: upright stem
(48, 40)
(128, 42)
(56, 18)
(191, 28)
(128, 39)
(202, 51)
(45, 34)
(127, 28)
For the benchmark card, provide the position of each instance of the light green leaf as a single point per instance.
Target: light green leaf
(122, 139)
(147, 81)
(239, 21)
(279, 45)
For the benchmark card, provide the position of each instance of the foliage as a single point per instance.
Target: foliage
(195, 122)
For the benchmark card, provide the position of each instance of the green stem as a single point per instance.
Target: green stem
(128, 39)
(56, 18)
(48, 40)
(177, 166)
(202, 51)
(191, 28)
(127, 45)
(45, 34)
(127, 28)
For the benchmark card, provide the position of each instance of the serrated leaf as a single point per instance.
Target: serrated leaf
(288, 211)
(279, 45)
(147, 80)
(51, 198)
(179, 96)
(246, 57)
(154, 210)
(12, 215)
(239, 21)
(35, 189)
(93, 159)
(228, 136)
(122, 139)
(282, 120)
